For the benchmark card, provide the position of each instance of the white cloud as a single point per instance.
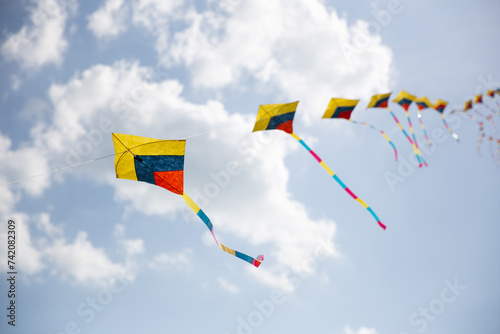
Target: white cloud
(24, 162)
(16, 82)
(176, 260)
(305, 61)
(45, 248)
(131, 247)
(362, 330)
(42, 40)
(110, 19)
(80, 261)
(228, 286)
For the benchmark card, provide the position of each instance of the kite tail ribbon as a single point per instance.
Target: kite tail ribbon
(383, 134)
(453, 134)
(419, 115)
(407, 137)
(199, 212)
(335, 177)
(415, 142)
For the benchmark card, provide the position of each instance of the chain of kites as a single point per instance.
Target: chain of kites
(161, 162)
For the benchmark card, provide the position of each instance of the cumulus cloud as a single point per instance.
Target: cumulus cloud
(174, 260)
(313, 60)
(41, 41)
(228, 286)
(321, 57)
(110, 19)
(21, 163)
(362, 330)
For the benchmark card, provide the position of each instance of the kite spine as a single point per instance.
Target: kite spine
(419, 115)
(407, 137)
(199, 212)
(383, 134)
(453, 134)
(335, 177)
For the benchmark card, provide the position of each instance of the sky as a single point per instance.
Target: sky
(97, 254)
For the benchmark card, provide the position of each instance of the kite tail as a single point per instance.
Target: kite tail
(480, 137)
(419, 115)
(407, 137)
(498, 153)
(490, 139)
(199, 212)
(383, 134)
(332, 174)
(453, 134)
(496, 112)
(415, 142)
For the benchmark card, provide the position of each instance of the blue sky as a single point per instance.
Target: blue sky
(96, 254)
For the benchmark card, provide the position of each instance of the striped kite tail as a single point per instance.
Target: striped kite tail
(419, 115)
(335, 177)
(407, 137)
(383, 134)
(453, 134)
(415, 142)
(199, 212)
(480, 137)
(490, 139)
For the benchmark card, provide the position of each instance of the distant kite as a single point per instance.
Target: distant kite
(161, 162)
(343, 108)
(280, 117)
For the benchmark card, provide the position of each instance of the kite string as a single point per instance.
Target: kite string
(90, 161)
(59, 169)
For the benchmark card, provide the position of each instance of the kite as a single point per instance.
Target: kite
(440, 105)
(280, 117)
(423, 103)
(161, 162)
(478, 99)
(382, 101)
(491, 94)
(343, 108)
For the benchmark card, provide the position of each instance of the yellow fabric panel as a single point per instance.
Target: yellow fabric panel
(227, 249)
(125, 145)
(191, 203)
(150, 146)
(338, 102)
(424, 100)
(124, 161)
(266, 111)
(440, 102)
(376, 98)
(404, 95)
